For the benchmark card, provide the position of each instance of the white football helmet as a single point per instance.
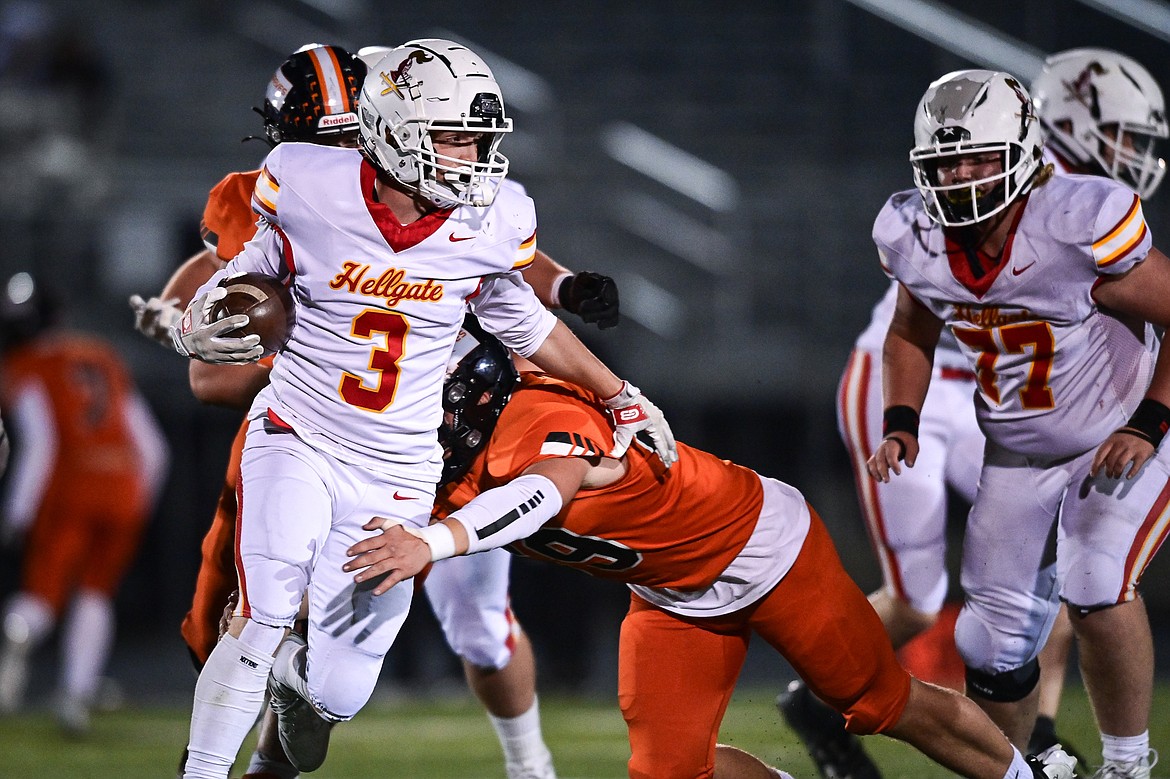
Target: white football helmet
(1091, 102)
(974, 112)
(434, 85)
(372, 55)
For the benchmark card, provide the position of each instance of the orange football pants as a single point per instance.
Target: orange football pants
(217, 570)
(85, 536)
(676, 674)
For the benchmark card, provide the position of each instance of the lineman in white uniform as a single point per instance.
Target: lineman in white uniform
(1073, 403)
(347, 427)
(1102, 114)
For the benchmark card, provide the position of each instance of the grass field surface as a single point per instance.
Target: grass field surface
(451, 739)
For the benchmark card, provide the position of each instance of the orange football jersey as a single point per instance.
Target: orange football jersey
(88, 386)
(228, 219)
(677, 528)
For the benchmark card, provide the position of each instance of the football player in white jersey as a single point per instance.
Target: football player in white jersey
(1018, 264)
(1101, 113)
(470, 597)
(383, 250)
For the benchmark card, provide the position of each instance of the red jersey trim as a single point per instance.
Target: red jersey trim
(399, 236)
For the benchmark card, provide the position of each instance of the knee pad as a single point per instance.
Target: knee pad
(470, 602)
(1005, 687)
(486, 640)
(990, 644)
(346, 685)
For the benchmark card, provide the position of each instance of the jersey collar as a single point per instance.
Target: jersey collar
(399, 236)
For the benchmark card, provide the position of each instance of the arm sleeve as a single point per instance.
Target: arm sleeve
(32, 463)
(508, 513)
(508, 309)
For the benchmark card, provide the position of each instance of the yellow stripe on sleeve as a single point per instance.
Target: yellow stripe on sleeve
(526, 253)
(266, 193)
(1122, 238)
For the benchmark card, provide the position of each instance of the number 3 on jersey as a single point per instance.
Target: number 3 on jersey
(1033, 338)
(373, 323)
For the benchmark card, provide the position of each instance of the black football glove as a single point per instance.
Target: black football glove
(592, 297)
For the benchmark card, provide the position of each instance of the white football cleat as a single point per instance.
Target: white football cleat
(304, 734)
(1128, 769)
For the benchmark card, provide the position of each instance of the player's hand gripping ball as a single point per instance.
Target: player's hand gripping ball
(267, 303)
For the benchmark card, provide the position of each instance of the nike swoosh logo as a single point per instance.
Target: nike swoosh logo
(453, 239)
(1018, 271)
(404, 497)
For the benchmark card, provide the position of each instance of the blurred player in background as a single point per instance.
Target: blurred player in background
(89, 462)
(207, 342)
(1101, 113)
(470, 598)
(1022, 266)
(711, 551)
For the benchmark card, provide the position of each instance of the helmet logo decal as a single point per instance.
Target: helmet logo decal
(400, 77)
(1027, 112)
(1084, 91)
(951, 135)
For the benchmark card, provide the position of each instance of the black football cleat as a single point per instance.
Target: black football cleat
(837, 753)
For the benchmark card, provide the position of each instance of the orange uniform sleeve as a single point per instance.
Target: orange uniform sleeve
(228, 219)
(559, 422)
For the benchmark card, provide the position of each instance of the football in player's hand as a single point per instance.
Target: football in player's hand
(268, 304)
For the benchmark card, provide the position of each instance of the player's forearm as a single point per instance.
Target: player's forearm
(544, 275)
(190, 276)
(906, 371)
(563, 356)
(233, 386)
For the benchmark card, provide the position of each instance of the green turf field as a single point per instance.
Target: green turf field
(412, 738)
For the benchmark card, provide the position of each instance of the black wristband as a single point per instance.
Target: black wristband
(900, 419)
(1150, 421)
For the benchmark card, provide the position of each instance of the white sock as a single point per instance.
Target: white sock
(85, 645)
(1019, 768)
(521, 737)
(228, 697)
(28, 620)
(1125, 749)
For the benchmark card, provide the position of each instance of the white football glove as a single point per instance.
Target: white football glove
(195, 335)
(1055, 763)
(632, 413)
(154, 318)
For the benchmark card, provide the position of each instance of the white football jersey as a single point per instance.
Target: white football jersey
(1055, 375)
(379, 304)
